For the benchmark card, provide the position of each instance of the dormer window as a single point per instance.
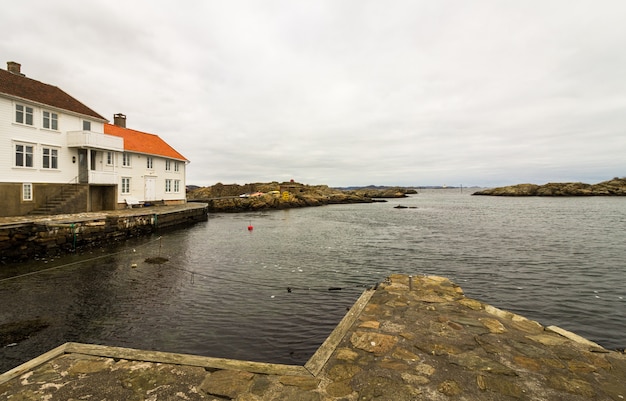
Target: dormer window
(50, 120)
(23, 114)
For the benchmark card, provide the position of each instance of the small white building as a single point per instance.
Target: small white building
(59, 156)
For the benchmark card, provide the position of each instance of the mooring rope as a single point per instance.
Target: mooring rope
(194, 274)
(77, 262)
(287, 288)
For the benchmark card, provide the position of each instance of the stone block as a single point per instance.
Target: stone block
(373, 342)
(227, 383)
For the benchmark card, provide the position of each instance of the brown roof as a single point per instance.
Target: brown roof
(30, 89)
(141, 142)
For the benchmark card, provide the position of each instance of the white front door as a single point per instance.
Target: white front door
(150, 188)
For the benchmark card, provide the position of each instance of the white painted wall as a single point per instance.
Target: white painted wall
(138, 171)
(39, 137)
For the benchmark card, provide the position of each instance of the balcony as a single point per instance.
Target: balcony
(94, 140)
(103, 177)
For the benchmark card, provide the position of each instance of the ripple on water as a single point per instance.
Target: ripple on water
(223, 291)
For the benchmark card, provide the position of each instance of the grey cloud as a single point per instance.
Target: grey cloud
(351, 92)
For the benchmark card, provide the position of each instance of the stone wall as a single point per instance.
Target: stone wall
(23, 241)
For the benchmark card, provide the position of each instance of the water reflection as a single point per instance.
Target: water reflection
(223, 291)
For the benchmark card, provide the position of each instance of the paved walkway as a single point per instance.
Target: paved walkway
(410, 339)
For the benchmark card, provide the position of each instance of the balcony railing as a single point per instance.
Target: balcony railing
(94, 140)
(102, 177)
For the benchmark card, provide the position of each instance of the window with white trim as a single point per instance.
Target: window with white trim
(176, 186)
(125, 185)
(86, 125)
(126, 159)
(50, 158)
(24, 155)
(109, 158)
(23, 114)
(149, 162)
(27, 192)
(176, 166)
(50, 120)
(168, 186)
(168, 165)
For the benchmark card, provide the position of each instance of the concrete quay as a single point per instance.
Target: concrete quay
(411, 338)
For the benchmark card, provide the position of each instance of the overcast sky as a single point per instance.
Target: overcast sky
(356, 92)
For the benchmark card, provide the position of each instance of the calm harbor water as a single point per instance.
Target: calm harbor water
(224, 290)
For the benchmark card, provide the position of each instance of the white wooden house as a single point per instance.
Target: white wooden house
(149, 170)
(59, 156)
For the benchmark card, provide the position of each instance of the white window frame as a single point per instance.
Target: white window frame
(52, 156)
(50, 120)
(176, 186)
(168, 186)
(86, 125)
(25, 114)
(126, 160)
(125, 187)
(176, 166)
(24, 154)
(27, 191)
(168, 165)
(149, 162)
(109, 158)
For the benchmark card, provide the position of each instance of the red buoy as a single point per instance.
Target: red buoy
(250, 228)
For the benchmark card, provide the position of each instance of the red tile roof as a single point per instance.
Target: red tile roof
(30, 89)
(141, 142)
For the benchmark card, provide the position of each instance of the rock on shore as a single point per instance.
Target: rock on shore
(275, 195)
(375, 193)
(614, 187)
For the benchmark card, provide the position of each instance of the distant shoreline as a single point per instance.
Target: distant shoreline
(614, 187)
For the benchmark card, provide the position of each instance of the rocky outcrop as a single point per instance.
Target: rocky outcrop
(614, 187)
(394, 192)
(271, 201)
(275, 195)
(14, 332)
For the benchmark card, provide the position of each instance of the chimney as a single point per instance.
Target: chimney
(14, 68)
(119, 119)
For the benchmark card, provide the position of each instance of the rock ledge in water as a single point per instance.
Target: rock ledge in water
(614, 187)
(275, 195)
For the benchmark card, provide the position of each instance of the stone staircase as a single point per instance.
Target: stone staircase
(63, 202)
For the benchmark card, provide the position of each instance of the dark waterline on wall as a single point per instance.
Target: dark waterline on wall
(224, 290)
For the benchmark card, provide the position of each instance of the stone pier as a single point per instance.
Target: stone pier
(411, 338)
(26, 237)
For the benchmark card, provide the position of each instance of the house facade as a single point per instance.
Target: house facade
(59, 156)
(149, 170)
